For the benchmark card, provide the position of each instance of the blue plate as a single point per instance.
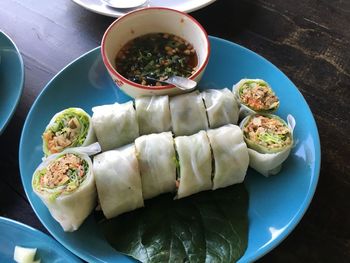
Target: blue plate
(276, 204)
(11, 79)
(14, 233)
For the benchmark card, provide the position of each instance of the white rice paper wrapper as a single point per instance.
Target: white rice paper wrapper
(195, 164)
(90, 137)
(70, 210)
(270, 163)
(153, 114)
(221, 106)
(244, 110)
(188, 114)
(115, 125)
(230, 154)
(156, 156)
(118, 181)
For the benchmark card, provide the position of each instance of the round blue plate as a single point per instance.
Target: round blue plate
(14, 233)
(276, 204)
(11, 79)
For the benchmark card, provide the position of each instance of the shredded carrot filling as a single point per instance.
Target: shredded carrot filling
(177, 184)
(258, 96)
(58, 141)
(268, 132)
(64, 174)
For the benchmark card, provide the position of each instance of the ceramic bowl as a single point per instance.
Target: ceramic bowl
(153, 20)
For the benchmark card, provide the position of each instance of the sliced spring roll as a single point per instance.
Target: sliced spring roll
(118, 181)
(153, 114)
(115, 125)
(222, 107)
(65, 183)
(269, 139)
(230, 155)
(195, 164)
(255, 96)
(188, 114)
(68, 128)
(156, 156)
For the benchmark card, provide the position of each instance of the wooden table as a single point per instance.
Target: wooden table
(308, 40)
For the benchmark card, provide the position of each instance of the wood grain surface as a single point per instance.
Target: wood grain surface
(308, 40)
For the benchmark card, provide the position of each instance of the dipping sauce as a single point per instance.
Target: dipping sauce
(156, 55)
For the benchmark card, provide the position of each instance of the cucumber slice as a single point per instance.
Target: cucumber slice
(24, 255)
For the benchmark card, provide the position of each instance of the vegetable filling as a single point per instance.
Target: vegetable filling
(69, 130)
(62, 176)
(268, 132)
(258, 96)
(177, 165)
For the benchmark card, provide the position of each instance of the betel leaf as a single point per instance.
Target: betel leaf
(210, 226)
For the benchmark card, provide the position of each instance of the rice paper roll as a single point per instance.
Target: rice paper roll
(65, 183)
(230, 154)
(118, 181)
(269, 140)
(255, 96)
(156, 156)
(195, 164)
(115, 125)
(188, 114)
(68, 128)
(153, 114)
(222, 107)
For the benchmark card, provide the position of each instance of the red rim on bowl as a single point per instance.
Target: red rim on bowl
(112, 69)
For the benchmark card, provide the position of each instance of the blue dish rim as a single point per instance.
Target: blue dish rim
(38, 233)
(21, 225)
(307, 201)
(298, 216)
(21, 86)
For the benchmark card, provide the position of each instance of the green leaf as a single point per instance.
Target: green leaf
(211, 226)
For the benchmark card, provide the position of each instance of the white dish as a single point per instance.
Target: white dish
(100, 7)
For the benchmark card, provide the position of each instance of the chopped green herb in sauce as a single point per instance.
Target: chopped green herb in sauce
(156, 55)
